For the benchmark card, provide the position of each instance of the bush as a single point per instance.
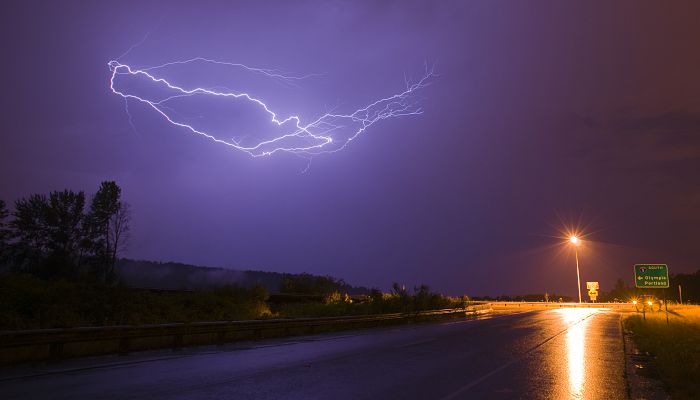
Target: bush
(399, 300)
(32, 303)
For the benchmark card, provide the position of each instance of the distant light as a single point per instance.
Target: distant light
(634, 301)
(649, 302)
(574, 240)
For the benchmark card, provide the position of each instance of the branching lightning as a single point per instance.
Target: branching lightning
(331, 132)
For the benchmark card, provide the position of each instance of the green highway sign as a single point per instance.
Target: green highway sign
(651, 276)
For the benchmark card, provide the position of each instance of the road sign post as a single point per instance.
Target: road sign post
(652, 276)
(593, 295)
(592, 290)
(666, 307)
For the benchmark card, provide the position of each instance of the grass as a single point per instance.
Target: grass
(676, 347)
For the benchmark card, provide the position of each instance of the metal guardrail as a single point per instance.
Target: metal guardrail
(41, 344)
(541, 304)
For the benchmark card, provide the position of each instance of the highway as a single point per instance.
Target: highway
(564, 353)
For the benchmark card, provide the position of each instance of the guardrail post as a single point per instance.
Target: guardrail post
(124, 346)
(55, 350)
(177, 342)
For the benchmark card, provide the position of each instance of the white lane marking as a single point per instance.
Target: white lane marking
(487, 317)
(416, 343)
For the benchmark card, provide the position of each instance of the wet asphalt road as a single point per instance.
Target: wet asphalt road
(556, 354)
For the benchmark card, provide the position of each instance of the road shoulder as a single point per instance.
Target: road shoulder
(639, 371)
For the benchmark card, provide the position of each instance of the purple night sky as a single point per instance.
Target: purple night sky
(542, 114)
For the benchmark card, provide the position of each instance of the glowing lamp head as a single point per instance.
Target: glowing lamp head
(649, 302)
(574, 240)
(634, 301)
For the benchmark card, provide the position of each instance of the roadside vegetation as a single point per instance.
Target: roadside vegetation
(676, 347)
(29, 302)
(58, 268)
(398, 300)
(62, 235)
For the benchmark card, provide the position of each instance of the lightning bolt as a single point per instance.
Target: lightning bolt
(328, 133)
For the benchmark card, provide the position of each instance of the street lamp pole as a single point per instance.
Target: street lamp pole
(578, 278)
(575, 241)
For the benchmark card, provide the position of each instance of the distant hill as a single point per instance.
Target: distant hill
(172, 275)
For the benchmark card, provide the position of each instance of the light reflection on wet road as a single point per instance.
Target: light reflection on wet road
(576, 347)
(557, 354)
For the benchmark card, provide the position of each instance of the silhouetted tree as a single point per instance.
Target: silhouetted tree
(311, 284)
(620, 292)
(53, 237)
(399, 290)
(47, 233)
(421, 297)
(118, 234)
(65, 221)
(30, 232)
(4, 232)
(376, 295)
(106, 228)
(4, 213)
(690, 284)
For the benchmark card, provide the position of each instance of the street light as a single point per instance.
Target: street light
(576, 242)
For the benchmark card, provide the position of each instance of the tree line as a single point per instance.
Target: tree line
(306, 283)
(59, 236)
(689, 292)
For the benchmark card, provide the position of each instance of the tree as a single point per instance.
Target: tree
(47, 233)
(29, 232)
(64, 221)
(4, 232)
(399, 290)
(118, 235)
(310, 284)
(4, 213)
(107, 227)
(690, 284)
(620, 292)
(53, 237)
